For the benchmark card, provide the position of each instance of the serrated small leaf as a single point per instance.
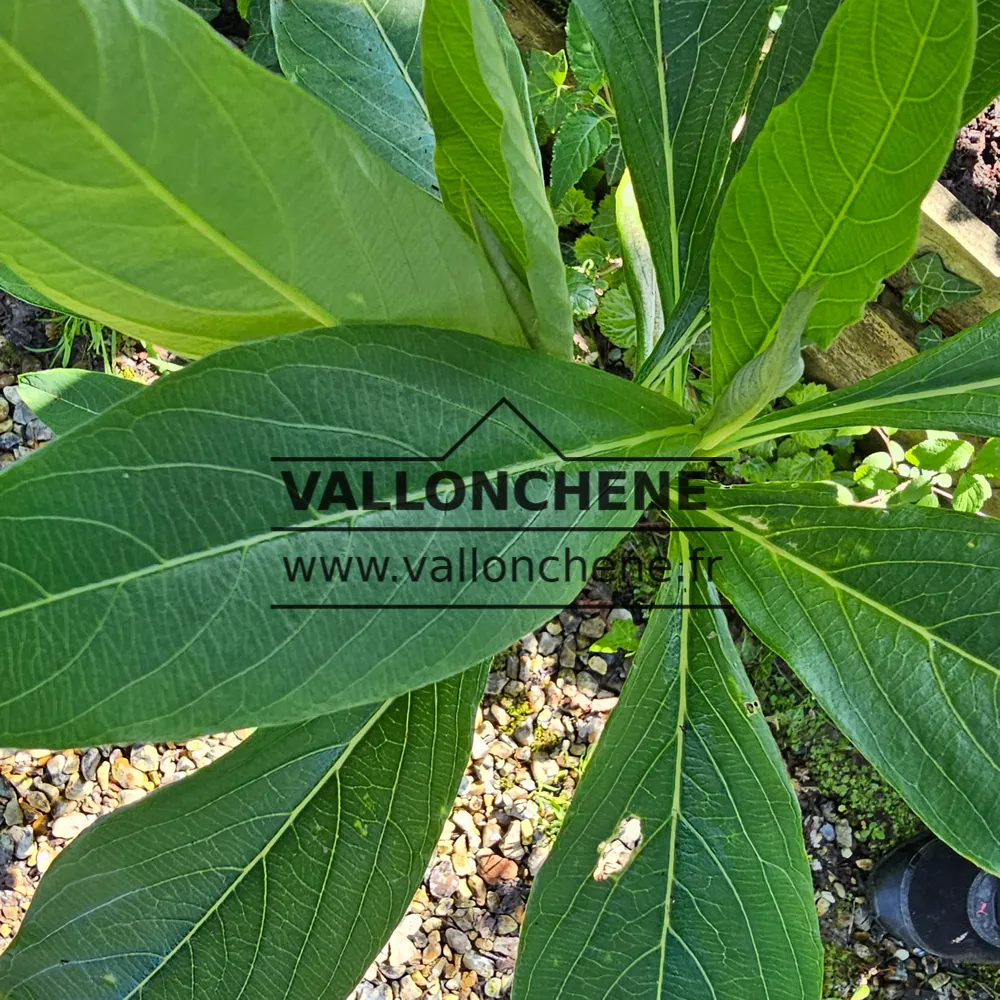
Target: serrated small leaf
(584, 56)
(582, 139)
(583, 295)
(575, 207)
(942, 452)
(972, 491)
(591, 248)
(987, 462)
(935, 288)
(804, 467)
(616, 317)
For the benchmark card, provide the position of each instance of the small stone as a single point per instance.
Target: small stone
(492, 834)
(12, 814)
(104, 775)
(9, 441)
(536, 859)
(38, 800)
(78, 789)
(903, 955)
(493, 987)
(69, 826)
(939, 981)
(495, 869)
(506, 925)
(479, 964)
(409, 990)
(524, 734)
(480, 749)
(125, 775)
(844, 835)
(822, 906)
(43, 859)
(373, 991)
(865, 864)
(501, 716)
(55, 768)
(587, 684)
(89, 762)
(592, 628)
(442, 882)
(828, 833)
(457, 940)
(24, 839)
(598, 664)
(127, 796)
(145, 758)
(548, 644)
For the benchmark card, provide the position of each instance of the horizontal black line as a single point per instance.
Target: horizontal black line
(398, 529)
(490, 607)
(441, 458)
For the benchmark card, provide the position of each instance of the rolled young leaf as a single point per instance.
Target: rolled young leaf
(365, 63)
(487, 158)
(640, 272)
(716, 902)
(890, 618)
(832, 187)
(280, 870)
(65, 398)
(156, 180)
(109, 636)
(680, 75)
(954, 387)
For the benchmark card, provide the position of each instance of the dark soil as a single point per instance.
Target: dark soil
(973, 170)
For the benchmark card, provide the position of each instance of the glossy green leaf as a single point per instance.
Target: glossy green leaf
(890, 618)
(13, 285)
(833, 185)
(250, 878)
(984, 85)
(942, 451)
(955, 386)
(640, 271)
(716, 901)
(584, 136)
(935, 288)
(364, 61)
(487, 157)
(680, 75)
(190, 459)
(156, 180)
(64, 398)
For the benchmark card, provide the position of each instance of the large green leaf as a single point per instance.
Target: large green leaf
(890, 617)
(64, 398)
(985, 83)
(278, 871)
(955, 387)
(487, 159)
(716, 903)
(640, 272)
(13, 285)
(785, 67)
(156, 180)
(106, 635)
(680, 74)
(831, 190)
(363, 60)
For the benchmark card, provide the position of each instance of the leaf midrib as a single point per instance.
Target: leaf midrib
(837, 585)
(201, 225)
(262, 854)
(245, 544)
(774, 428)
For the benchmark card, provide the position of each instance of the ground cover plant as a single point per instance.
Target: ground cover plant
(382, 281)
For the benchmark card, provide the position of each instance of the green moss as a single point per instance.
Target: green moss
(839, 772)
(841, 971)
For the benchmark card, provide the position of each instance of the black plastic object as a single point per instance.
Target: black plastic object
(929, 897)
